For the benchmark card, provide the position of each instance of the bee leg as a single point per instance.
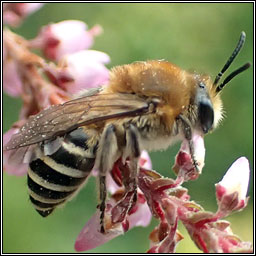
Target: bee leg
(132, 152)
(187, 130)
(103, 195)
(107, 152)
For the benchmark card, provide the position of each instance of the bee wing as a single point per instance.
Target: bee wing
(57, 120)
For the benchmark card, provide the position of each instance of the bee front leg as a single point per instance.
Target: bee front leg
(187, 130)
(106, 156)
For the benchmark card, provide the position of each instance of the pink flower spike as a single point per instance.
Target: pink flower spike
(66, 37)
(87, 69)
(234, 185)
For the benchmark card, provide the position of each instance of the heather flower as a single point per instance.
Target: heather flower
(66, 37)
(14, 13)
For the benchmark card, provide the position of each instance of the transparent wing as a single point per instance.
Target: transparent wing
(60, 119)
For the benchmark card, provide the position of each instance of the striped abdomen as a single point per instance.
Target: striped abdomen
(54, 178)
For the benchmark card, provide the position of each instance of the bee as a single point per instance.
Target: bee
(145, 105)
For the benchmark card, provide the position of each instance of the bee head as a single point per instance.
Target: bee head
(204, 107)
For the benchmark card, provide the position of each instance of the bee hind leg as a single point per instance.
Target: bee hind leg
(129, 170)
(106, 155)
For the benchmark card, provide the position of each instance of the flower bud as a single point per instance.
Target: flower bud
(232, 189)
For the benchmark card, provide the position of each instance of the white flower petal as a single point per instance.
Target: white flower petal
(236, 178)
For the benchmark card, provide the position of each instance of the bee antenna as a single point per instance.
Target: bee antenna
(232, 75)
(231, 58)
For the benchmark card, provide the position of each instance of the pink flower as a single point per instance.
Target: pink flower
(81, 70)
(66, 37)
(232, 189)
(14, 13)
(12, 83)
(12, 163)
(145, 161)
(37, 93)
(184, 165)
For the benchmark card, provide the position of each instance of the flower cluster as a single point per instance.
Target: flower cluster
(74, 67)
(169, 202)
(13, 14)
(41, 83)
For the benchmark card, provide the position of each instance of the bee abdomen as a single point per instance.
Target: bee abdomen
(53, 179)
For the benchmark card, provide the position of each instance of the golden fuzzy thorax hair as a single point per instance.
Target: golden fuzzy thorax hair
(175, 87)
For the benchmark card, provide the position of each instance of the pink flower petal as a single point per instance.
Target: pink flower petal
(13, 13)
(112, 187)
(66, 37)
(12, 84)
(142, 217)
(11, 18)
(90, 237)
(28, 8)
(199, 149)
(237, 177)
(87, 69)
(184, 165)
(12, 167)
(145, 161)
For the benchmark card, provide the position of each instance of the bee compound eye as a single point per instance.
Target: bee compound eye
(206, 115)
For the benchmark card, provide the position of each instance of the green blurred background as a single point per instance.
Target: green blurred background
(194, 36)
